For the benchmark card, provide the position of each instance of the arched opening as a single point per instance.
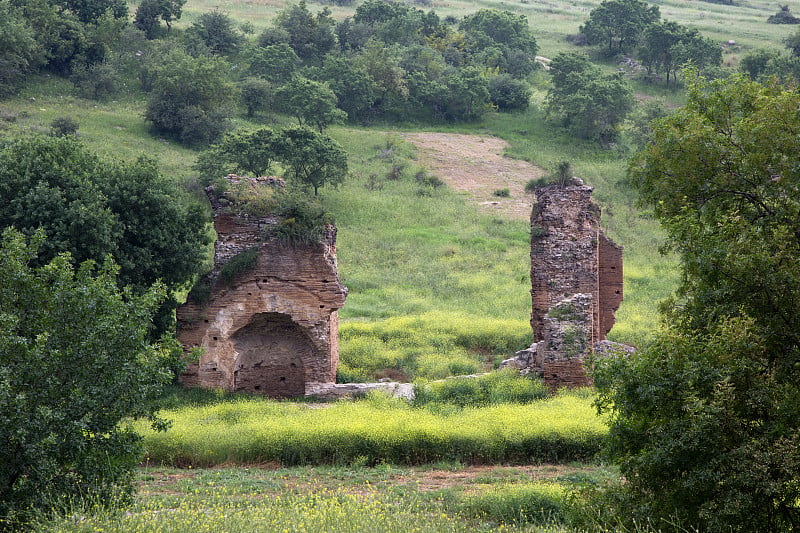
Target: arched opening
(271, 350)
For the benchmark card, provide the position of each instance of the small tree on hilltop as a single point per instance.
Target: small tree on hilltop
(313, 158)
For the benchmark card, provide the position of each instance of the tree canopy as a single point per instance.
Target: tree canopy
(74, 363)
(705, 422)
(93, 208)
(619, 24)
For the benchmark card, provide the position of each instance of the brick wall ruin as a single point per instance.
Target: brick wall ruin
(576, 278)
(273, 329)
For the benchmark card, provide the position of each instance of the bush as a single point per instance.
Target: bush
(539, 503)
(502, 193)
(75, 363)
(302, 221)
(508, 93)
(63, 126)
(238, 264)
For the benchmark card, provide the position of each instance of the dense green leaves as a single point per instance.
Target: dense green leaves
(74, 362)
(93, 208)
(706, 422)
(591, 104)
(618, 24)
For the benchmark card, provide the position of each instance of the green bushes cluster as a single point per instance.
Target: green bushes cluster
(504, 386)
(564, 428)
(538, 503)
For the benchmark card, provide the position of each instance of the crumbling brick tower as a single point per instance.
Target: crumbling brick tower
(273, 328)
(576, 278)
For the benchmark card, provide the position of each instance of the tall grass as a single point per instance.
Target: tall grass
(379, 429)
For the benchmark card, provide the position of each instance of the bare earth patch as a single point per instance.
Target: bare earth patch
(476, 165)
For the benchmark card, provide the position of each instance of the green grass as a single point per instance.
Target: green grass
(375, 430)
(386, 498)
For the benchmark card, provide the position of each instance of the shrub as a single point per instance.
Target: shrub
(540, 503)
(505, 386)
(303, 220)
(238, 264)
(63, 126)
(502, 193)
(508, 93)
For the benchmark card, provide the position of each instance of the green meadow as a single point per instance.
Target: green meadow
(437, 288)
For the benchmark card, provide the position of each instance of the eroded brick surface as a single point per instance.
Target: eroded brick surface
(272, 330)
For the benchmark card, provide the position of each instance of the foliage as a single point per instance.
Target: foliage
(218, 32)
(251, 152)
(74, 364)
(312, 158)
(539, 503)
(311, 37)
(503, 386)
(62, 126)
(302, 221)
(783, 16)
(256, 94)
(592, 105)
(196, 112)
(310, 102)
(378, 429)
(705, 421)
(20, 53)
(640, 126)
(149, 13)
(93, 208)
(274, 62)
(508, 32)
(238, 264)
(668, 46)
(619, 24)
(509, 94)
(353, 86)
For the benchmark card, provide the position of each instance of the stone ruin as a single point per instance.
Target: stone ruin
(273, 328)
(576, 278)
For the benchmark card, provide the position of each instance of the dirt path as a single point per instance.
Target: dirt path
(476, 165)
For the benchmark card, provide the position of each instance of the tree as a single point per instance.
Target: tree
(508, 93)
(251, 152)
(19, 51)
(619, 24)
(150, 11)
(93, 208)
(218, 32)
(274, 62)
(507, 33)
(353, 86)
(312, 158)
(191, 96)
(592, 105)
(89, 11)
(75, 365)
(256, 94)
(310, 36)
(705, 422)
(667, 46)
(310, 102)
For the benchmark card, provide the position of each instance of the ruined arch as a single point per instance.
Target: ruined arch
(271, 355)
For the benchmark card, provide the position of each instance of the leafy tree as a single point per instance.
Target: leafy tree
(783, 16)
(508, 93)
(506, 32)
(75, 364)
(310, 36)
(667, 46)
(197, 110)
(382, 64)
(591, 104)
(93, 208)
(754, 63)
(468, 94)
(274, 62)
(90, 10)
(150, 12)
(19, 51)
(251, 152)
(312, 158)
(310, 102)
(705, 422)
(353, 86)
(218, 32)
(619, 24)
(256, 94)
